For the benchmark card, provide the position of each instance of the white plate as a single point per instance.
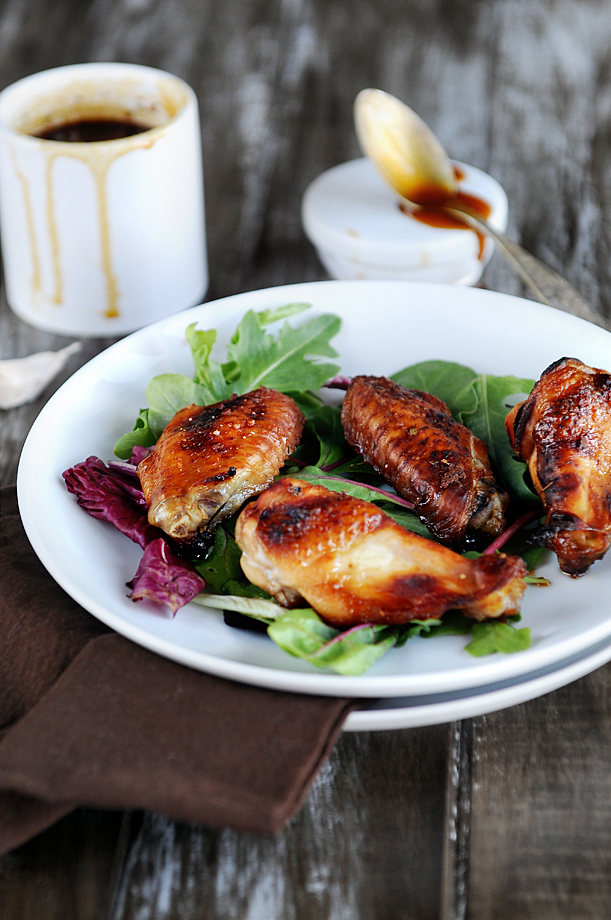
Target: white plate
(387, 326)
(435, 709)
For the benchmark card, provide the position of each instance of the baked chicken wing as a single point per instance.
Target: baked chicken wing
(353, 564)
(430, 459)
(210, 459)
(563, 433)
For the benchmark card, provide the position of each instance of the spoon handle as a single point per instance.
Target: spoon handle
(547, 285)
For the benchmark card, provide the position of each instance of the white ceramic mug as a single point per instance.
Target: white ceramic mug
(101, 238)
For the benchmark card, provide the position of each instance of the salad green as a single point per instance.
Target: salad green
(291, 360)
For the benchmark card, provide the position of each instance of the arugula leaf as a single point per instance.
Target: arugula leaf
(289, 363)
(286, 363)
(207, 372)
(267, 317)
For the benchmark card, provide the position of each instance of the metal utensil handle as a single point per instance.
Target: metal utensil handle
(547, 285)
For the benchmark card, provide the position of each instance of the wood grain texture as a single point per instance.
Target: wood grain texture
(331, 862)
(67, 873)
(541, 807)
(506, 816)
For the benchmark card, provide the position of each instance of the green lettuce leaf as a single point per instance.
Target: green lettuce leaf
(453, 383)
(167, 393)
(303, 634)
(207, 372)
(140, 436)
(326, 426)
(496, 397)
(222, 565)
(262, 609)
(481, 402)
(492, 636)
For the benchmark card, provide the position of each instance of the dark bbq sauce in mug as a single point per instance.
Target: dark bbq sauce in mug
(91, 130)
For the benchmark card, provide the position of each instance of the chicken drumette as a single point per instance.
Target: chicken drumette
(430, 459)
(353, 564)
(563, 433)
(210, 459)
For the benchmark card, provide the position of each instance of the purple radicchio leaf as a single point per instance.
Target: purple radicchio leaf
(126, 467)
(339, 382)
(164, 578)
(130, 467)
(108, 494)
(139, 453)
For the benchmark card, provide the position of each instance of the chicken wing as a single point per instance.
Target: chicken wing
(210, 459)
(430, 459)
(353, 564)
(563, 433)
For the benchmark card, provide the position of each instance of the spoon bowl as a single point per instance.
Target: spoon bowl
(403, 148)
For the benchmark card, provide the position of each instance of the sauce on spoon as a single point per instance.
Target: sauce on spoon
(434, 215)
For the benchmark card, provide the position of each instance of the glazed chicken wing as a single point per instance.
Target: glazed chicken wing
(210, 459)
(430, 459)
(353, 564)
(563, 433)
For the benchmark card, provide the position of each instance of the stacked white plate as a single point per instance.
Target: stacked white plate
(387, 325)
(353, 219)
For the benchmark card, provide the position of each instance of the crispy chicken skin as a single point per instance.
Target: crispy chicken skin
(210, 459)
(430, 459)
(563, 433)
(353, 564)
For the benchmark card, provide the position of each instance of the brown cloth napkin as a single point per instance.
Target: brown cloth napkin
(87, 718)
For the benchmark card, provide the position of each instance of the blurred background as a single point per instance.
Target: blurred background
(520, 88)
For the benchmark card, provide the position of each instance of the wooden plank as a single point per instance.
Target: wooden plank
(367, 844)
(540, 840)
(541, 807)
(549, 130)
(67, 873)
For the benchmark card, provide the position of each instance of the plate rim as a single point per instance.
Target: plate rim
(487, 699)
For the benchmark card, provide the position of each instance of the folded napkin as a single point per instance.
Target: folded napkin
(87, 718)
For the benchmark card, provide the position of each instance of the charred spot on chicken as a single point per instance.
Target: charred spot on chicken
(353, 564)
(210, 459)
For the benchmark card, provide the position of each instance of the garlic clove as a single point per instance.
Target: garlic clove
(23, 379)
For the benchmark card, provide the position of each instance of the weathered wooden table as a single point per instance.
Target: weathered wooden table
(502, 816)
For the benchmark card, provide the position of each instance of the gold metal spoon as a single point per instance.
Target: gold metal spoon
(413, 162)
